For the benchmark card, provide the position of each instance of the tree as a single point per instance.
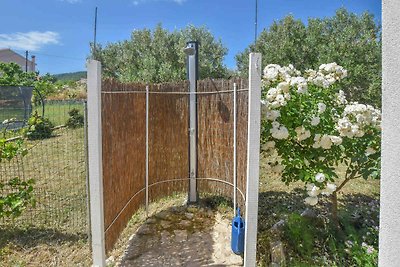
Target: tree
(157, 56)
(351, 41)
(315, 131)
(11, 74)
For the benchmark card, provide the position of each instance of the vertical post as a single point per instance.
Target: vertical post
(389, 232)
(85, 132)
(253, 157)
(147, 151)
(26, 61)
(95, 162)
(234, 148)
(191, 51)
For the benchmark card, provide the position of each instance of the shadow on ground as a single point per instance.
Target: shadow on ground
(32, 237)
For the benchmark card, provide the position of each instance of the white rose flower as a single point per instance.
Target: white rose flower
(315, 121)
(320, 177)
(280, 133)
(321, 107)
(312, 201)
(336, 140)
(271, 71)
(370, 151)
(302, 133)
(270, 144)
(315, 191)
(326, 142)
(272, 115)
(310, 186)
(330, 188)
(284, 87)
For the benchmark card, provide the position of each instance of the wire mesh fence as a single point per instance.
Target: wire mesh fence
(58, 166)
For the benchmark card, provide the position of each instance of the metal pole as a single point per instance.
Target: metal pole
(95, 34)
(147, 151)
(255, 26)
(234, 149)
(85, 114)
(26, 61)
(192, 73)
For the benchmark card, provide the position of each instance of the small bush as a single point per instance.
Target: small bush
(15, 195)
(75, 119)
(300, 234)
(38, 127)
(21, 196)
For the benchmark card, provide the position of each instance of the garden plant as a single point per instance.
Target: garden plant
(311, 133)
(16, 194)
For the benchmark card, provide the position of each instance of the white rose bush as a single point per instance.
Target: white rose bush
(316, 132)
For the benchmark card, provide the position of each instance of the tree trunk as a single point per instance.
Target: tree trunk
(334, 210)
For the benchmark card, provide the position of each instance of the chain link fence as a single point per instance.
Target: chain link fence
(58, 166)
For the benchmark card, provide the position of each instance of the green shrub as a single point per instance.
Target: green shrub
(75, 119)
(300, 234)
(21, 195)
(38, 127)
(15, 195)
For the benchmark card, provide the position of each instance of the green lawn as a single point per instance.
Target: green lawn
(56, 111)
(55, 231)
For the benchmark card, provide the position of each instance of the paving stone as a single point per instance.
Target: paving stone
(145, 229)
(178, 245)
(164, 215)
(189, 215)
(184, 223)
(180, 235)
(165, 224)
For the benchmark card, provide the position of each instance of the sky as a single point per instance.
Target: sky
(58, 32)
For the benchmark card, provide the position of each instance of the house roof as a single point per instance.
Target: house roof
(8, 51)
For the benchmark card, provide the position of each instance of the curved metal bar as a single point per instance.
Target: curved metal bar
(166, 181)
(126, 205)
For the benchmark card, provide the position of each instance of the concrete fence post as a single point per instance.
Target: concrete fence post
(253, 160)
(389, 232)
(95, 162)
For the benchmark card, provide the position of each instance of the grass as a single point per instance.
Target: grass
(55, 231)
(56, 111)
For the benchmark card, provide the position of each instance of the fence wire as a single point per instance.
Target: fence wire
(57, 164)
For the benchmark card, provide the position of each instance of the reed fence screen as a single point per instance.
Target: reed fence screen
(124, 144)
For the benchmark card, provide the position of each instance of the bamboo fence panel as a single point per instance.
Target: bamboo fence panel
(123, 126)
(168, 140)
(124, 144)
(215, 137)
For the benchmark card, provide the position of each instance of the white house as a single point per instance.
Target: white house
(7, 55)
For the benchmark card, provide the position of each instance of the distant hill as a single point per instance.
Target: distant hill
(70, 76)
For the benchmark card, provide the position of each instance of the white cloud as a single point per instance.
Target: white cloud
(138, 2)
(32, 41)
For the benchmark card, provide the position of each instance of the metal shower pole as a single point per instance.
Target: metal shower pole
(191, 51)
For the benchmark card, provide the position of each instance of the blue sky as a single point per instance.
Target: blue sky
(58, 31)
